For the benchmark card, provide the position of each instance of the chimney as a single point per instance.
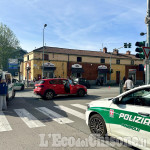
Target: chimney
(115, 51)
(128, 52)
(105, 50)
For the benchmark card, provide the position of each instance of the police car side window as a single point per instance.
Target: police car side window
(140, 97)
(145, 97)
(128, 99)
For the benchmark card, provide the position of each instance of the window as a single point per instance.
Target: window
(79, 59)
(28, 57)
(140, 97)
(46, 57)
(118, 61)
(103, 60)
(132, 62)
(56, 81)
(42, 82)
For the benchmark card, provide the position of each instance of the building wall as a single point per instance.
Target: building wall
(89, 64)
(90, 70)
(61, 68)
(120, 68)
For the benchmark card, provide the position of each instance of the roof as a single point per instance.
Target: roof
(84, 53)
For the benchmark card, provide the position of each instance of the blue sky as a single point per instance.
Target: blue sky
(76, 24)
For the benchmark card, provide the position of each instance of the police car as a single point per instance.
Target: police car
(127, 115)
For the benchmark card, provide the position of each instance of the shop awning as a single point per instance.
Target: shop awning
(77, 70)
(103, 71)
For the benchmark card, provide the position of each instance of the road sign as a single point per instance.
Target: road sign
(146, 51)
(13, 63)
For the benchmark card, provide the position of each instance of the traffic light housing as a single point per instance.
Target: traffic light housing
(129, 45)
(139, 49)
(125, 45)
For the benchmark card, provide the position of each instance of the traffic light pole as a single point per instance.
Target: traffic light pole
(147, 21)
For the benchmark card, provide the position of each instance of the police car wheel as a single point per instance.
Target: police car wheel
(97, 125)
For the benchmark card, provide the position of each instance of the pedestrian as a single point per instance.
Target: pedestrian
(124, 79)
(3, 93)
(102, 80)
(128, 85)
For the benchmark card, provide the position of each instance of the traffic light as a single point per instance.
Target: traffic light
(125, 45)
(139, 49)
(129, 45)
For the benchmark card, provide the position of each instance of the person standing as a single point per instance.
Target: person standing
(124, 79)
(128, 85)
(3, 93)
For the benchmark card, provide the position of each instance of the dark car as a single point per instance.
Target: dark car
(82, 81)
(48, 88)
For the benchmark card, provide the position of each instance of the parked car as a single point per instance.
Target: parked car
(48, 88)
(18, 85)
(82, 81)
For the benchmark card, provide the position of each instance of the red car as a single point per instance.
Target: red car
(48, 88)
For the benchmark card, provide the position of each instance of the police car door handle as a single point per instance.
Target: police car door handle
(143, 114)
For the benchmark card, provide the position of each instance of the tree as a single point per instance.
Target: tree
(9, 45)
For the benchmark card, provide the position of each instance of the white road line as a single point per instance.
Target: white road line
(71, 111)
(53, 115)
(79, 106)
(28, 118)
(4, 124)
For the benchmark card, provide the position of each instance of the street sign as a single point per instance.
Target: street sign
(13, 63)
(146, 51)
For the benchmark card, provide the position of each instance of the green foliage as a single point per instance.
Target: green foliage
(9, 45)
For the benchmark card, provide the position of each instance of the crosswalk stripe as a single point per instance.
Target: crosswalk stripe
(71, 111)
(54, 116)
(79, 106)
(28, 118)
(4, 124)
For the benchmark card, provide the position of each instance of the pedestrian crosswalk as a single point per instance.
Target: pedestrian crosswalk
(58, 116)
(28, 118)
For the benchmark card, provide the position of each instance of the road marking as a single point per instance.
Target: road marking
(71, 111)
(54, 116)
(79, 106)
(4, 124)
(28, 118)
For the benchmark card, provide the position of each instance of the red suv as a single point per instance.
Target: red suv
(48, 88)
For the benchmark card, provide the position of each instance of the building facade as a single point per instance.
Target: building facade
(91, 65)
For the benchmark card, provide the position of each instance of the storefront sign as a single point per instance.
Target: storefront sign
(102, 67)
(132, 70)
(49, 65)
(76, 66)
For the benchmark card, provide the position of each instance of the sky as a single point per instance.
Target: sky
(76, 24)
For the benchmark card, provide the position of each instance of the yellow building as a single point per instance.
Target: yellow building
(61, 62)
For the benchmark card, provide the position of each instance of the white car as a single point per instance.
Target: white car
(126, 116)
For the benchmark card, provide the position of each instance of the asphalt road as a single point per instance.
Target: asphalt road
(31, 123)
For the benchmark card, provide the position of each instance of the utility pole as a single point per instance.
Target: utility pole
(43, 52)
(147, 21)
(110, 67)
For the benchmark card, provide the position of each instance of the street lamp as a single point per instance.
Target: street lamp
(43, 52)
(142, 33)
